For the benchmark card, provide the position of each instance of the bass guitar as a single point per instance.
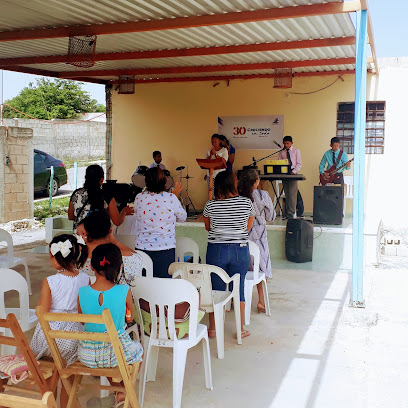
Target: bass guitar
(331, 173)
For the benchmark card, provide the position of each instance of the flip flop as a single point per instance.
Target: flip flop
(244, 333)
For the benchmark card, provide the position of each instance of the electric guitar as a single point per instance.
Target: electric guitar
(331, 172)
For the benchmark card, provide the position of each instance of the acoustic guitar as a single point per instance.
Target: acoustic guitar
(331, 172)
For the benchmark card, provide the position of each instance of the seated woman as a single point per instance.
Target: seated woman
(96, 230)
(91, 198)
(156, 214)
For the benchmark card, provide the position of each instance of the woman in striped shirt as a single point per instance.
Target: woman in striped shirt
(228, 219)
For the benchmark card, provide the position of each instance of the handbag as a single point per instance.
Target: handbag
(12, 366)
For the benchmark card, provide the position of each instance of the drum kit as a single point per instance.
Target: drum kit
(138, 180)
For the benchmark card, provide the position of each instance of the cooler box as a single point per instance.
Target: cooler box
(277, 167)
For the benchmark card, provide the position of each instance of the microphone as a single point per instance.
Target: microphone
(277, 144)
(253, 159)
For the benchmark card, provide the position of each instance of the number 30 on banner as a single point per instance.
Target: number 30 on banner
(239, 130)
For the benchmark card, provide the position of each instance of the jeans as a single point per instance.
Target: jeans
(161, 261)
(233, 258)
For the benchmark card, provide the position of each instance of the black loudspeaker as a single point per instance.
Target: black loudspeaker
(328, 205)
(299, 240)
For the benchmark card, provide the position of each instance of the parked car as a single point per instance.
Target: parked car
(42, 173)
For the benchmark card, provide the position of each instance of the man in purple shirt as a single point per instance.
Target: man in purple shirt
(293, 201)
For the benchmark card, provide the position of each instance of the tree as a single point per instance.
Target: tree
(49, 99)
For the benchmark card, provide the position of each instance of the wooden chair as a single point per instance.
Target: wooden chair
(123, 372)
(12, 401)
(36, 383)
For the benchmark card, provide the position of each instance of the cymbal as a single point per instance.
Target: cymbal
(179, 168)
(187, 177)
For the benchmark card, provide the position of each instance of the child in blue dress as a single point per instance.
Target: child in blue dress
(105, 293)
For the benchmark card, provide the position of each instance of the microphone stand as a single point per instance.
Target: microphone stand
(253, 164)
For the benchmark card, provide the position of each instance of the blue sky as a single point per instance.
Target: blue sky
(389, 18)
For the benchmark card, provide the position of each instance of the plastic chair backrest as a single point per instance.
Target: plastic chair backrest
(255, 253)
(7, 238)
(147, 263)
(185, 245)
(161, 293)
(348, 186)
(200, 276)
(12, 280)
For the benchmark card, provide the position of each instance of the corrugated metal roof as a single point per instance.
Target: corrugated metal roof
(23, 14)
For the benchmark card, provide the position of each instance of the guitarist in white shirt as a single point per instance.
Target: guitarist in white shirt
(337, 157)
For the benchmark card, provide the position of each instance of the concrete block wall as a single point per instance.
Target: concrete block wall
(16, 177)
(62, 140)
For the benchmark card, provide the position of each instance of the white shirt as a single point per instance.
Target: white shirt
(161, 165)
(223, 152)
(156, 215)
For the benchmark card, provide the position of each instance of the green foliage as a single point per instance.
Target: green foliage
(49, 99)
(59, 207)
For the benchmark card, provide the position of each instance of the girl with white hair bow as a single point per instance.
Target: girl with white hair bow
(59, 294)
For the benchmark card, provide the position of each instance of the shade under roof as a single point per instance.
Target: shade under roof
(179, 39)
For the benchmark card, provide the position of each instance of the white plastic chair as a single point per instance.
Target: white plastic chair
(212, 300)
(252, 279)
(348, 191)
(147, 263)
(185, 245)
(161, 293)
(10, 261)
(12, 280)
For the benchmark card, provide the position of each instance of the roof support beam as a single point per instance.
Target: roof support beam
(184, 22)
(189, 52)
(364, 5)
(208, 68)
(230, 78)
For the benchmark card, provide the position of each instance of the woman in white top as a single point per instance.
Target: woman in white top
(216, 151)
(156, 213)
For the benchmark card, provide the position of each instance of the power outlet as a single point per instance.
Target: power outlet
(7, 160)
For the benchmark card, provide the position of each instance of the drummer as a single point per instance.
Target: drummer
(157, 160)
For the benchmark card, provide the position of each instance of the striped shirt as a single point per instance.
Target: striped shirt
(229, 219)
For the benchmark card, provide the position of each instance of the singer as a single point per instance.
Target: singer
(294, 201)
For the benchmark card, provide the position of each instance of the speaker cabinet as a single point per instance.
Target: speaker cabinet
(328, 205)
(299, 240)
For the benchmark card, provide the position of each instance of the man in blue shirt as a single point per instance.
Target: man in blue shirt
(332, 157)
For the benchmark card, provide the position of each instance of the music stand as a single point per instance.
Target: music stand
(211, 165)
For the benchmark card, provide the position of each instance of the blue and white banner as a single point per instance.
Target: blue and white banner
(252, 132)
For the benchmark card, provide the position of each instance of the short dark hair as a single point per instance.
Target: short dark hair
(107, 261)
(155, 180)
(334, 139)
(155, 153)
(288, 139)
(224, 184)
(97, 225)
(77, 255)
(224, 139)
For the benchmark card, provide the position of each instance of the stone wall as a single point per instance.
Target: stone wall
(16, 174)
(74, 141)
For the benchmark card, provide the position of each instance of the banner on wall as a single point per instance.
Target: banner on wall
(252, 132)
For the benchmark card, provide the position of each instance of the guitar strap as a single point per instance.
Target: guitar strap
(339, 158)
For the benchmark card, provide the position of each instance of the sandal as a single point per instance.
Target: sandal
(261, 308)
(211, 333)
(244, 333)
